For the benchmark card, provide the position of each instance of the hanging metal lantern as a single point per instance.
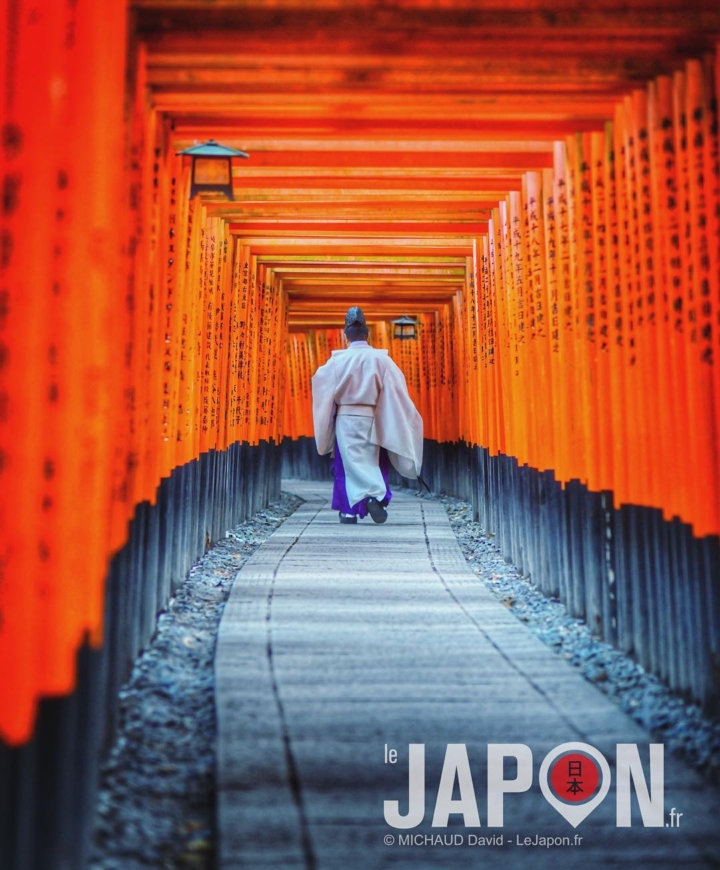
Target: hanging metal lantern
(404, 327)
(212, 168)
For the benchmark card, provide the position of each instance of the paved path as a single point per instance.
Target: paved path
(338, 641)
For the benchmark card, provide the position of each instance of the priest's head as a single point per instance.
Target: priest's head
(356, 328)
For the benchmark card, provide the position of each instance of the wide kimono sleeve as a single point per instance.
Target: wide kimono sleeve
(398, 426)
(323, 394)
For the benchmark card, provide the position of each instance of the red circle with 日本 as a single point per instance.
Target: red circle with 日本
(575, 777)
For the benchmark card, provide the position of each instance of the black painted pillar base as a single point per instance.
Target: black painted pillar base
(642, 583)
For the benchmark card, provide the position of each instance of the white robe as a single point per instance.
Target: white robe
(366, 379)
(361, 458)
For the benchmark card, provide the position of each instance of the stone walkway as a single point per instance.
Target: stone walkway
(340, 644)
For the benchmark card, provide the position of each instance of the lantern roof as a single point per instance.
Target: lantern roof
(405, 321)
(211, 148)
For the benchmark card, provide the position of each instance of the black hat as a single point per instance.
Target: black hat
(354, 317)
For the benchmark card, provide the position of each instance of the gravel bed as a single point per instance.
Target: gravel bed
(156, 805)
(679, 725)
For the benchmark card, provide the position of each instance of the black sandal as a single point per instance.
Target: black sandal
(376, 510)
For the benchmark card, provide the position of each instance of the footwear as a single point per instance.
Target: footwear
(376, 510)
(348, 519)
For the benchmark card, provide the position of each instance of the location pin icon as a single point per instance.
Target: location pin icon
(574, 779)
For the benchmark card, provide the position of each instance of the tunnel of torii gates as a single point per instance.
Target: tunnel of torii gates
(535, 181)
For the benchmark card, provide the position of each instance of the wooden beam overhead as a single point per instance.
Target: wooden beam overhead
(366, 261)
(416, 158)
(328, 245)
(378, 27)
(375, 227)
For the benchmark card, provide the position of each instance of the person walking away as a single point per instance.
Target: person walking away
(362, 410)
